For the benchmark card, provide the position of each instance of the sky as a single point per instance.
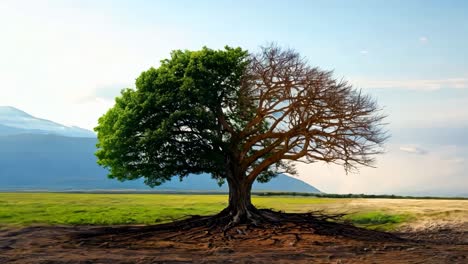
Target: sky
(67, 60)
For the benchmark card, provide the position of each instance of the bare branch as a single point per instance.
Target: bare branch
(303, 114)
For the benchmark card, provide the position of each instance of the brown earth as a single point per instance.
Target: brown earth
(287, 243)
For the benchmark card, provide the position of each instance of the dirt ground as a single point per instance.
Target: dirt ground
(284, 244)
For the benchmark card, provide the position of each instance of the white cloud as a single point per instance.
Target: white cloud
(415, 84)
(364, 52)
(425, 113)
(423, 39)
(439, 172)
(56, 55)
(457, 160)
(413, 150)
(87, 113)
(104, 93)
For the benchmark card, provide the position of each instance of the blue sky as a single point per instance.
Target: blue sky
(67, 60)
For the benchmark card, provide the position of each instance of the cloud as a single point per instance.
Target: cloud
(423, 39)
(364, 52)
(413, 150)
(86, 55)
(456, 160)
(104, 93)
(416, 84)
(109, 91)
(439, 172)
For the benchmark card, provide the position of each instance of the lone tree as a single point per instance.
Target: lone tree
(240, 117)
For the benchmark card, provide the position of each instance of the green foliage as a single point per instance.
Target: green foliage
(238, 116)
(377, 220)
(168, 126)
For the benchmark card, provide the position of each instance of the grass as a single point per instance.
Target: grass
(114, 209)
(101, 209)
(24, 209)
(378, 220)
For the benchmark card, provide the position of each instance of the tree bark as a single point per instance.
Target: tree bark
(240, 208)
(239, 196)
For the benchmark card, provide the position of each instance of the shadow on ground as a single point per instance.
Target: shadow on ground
(182, 242)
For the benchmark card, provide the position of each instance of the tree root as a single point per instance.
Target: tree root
(236, 226)
(316, 222)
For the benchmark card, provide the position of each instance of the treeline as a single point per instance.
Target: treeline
(350, 195)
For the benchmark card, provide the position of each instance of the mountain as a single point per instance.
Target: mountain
(14, 121)
(38, 154)
(58, 163)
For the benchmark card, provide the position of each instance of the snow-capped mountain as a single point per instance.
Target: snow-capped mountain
(14, 121)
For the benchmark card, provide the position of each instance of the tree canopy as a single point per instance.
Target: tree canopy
(239, 117)
(169, 125)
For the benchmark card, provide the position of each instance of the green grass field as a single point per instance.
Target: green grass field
(23, 209)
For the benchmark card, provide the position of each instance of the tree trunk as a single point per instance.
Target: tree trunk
(240, 208)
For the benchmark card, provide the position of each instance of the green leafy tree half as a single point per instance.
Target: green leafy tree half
(240, 117)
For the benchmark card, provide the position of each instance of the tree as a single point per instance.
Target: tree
(239, 117)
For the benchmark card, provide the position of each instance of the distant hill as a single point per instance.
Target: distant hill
(14, 121)
(58, 163)
(40, 154)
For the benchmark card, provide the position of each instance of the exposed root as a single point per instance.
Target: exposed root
(281, 243)
(236, 226)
